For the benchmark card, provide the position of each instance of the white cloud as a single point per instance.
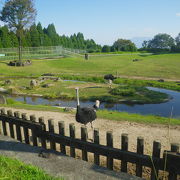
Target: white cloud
(178, 14)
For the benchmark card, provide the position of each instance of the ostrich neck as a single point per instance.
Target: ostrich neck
(77, 96)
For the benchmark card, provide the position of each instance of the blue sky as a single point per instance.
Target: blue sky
(107, 20)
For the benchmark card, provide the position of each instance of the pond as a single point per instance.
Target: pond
(162, 109)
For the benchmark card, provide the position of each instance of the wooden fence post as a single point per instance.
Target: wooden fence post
(34, 138)
(96, 141)
(140, 150)
(51, 130)
(156, 153)
(11, 128)
(4, 127)
(174, 148)
(124, 147)
(62, 132)
(18, 128)
(26, 132)
(84, 136)
(72, 135)
(43, 140)
(109, 139)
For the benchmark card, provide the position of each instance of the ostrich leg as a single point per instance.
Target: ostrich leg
(91, 125)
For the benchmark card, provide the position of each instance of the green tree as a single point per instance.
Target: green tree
(177, 40)
(106, 48)
(28, 38)
(124, 45)
(41, 34)
(161, 41)
(18, 14)
(51, 32)
(35, 41)
(14, 39)
(5, 37)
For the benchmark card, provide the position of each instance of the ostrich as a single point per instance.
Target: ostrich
(110, 79)
(85, 115)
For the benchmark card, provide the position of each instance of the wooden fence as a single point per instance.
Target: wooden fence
(18, 126)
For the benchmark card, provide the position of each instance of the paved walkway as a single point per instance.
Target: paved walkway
(58, 164)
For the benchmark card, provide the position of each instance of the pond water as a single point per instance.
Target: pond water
(162, 109)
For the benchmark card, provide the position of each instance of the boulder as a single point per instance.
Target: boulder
(18, 63)
(33, 83)
(57, 79)
(160, 80)
(48, 74)
(8, 82)
(47, 85)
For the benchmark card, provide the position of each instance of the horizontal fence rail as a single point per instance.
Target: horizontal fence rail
(39, 52)
(19, 125)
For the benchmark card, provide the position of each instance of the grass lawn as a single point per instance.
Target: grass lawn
(12, 169)
(160, 66)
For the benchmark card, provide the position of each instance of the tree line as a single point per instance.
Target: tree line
(162, 43)
(37, 36)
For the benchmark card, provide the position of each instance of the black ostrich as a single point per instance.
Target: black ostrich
(109, 77)
(85, 115)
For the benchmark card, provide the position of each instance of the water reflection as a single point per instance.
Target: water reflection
(162, 109)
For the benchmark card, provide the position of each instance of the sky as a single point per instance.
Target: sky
(107, 20)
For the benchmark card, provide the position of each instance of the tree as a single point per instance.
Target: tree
(51, 32)
(5, 37)
(161, 41)
(106, 48)
(145, 44)
(124, 45)
(177, 39)
(35, 41)
(18, 14)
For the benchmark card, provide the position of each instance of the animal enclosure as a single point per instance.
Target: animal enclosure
(21, 127)
(39, 52)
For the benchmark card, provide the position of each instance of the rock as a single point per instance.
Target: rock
(8, 82)
(48, 74)
(47, 85)
(68, 109)
(160, 80)
(134, 60)
(2, 99)
(33, 83)
(18, 63)
(3, 90)
(57, 79)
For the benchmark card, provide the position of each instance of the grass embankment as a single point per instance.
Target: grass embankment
(110, 115)
(88, 91)
(158, 66)
(11, 169)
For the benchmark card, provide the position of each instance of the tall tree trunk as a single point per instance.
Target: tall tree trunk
(20, 49)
